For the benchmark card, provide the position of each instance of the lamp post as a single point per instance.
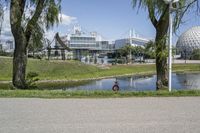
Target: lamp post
(170, 2)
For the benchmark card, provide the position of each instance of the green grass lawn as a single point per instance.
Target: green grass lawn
(92, 94)
(74, 70)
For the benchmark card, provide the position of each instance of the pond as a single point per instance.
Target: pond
(141, 83)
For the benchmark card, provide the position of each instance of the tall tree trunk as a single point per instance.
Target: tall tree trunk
(161, 59)
(22, 32)
(20, 58)
(161, 25)
(19, 63)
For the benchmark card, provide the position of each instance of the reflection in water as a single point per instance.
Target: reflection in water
(189, 80)
(141, 83)
(131, 82)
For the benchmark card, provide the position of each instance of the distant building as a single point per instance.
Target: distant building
(79, 41)
(10, 44)
(7, 45)
(188, 42)
(133, 41)
(104, 45)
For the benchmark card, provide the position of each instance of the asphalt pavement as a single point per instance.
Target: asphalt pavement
(125, 115)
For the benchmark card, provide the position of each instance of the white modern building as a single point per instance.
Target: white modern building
(133, 40)
(79, 43)
(80, 40)
(188, 41)
(10, 43)
(7, 45)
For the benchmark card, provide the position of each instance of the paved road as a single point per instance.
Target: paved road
(128, 115)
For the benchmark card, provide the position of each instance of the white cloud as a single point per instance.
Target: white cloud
(67, 20)
(6, 29)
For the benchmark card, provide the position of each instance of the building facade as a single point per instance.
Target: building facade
(133, 41)
(10, 44)
(82, 42)
(7, 45)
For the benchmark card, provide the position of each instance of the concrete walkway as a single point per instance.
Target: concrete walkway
(174, 61)
(126, 115)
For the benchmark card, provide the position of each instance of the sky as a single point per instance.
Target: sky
(110, 18)
(114, 18)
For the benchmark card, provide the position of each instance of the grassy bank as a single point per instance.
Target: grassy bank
(91, 94)
(74, 70)
(48, 85)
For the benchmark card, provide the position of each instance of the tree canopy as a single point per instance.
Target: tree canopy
(157, 10)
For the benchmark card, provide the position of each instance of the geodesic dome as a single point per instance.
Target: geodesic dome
(189, 41)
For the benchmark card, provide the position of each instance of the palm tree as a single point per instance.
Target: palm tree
(158, 13)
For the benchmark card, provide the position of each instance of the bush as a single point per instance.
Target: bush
(38, 57)
(35, 56)
(31, 79)
(196, 54)
(3, 53)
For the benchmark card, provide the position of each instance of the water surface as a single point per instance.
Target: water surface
(142, 83)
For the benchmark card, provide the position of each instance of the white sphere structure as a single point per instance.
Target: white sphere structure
(189, 41)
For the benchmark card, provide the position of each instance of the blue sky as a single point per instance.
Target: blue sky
(110, 18)
(113, 18)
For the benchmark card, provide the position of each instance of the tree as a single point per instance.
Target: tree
(138, 50)
(126, 51)
(149, 50)
(37, 39)
(35, 46)
(22, 28)
(196, 54)
(158, 13)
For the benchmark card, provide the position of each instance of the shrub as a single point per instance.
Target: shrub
(196, 54)
(31, 80)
